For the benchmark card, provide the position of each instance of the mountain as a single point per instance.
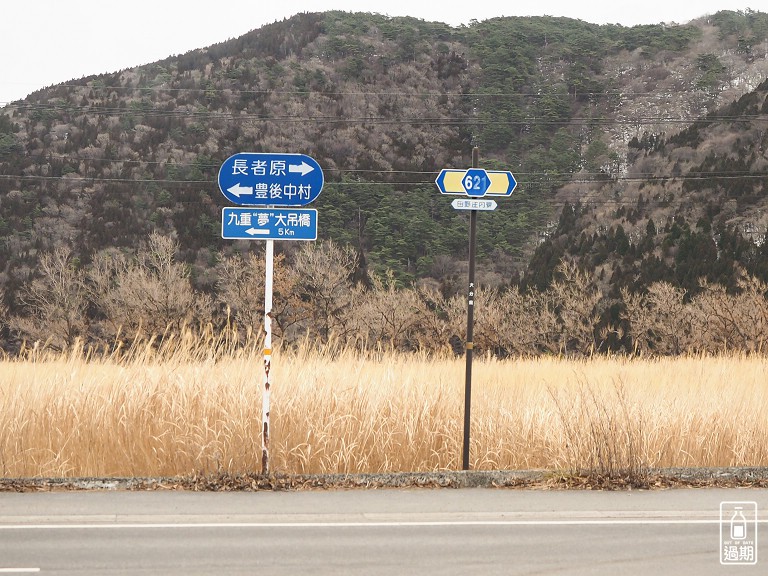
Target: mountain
(690, 206)
(639, 151)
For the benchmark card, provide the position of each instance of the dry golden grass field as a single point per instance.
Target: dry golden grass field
(179, 413)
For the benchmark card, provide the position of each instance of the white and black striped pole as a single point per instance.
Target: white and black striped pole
(268, 281)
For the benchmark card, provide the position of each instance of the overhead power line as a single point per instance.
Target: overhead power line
(473, 121)
(568, 176)
(538, 178)
(388, 93)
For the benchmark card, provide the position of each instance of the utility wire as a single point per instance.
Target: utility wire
(384, 120)
(334, 93)
(540, 178)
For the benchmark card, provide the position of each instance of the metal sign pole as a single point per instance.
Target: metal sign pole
(268, 280)
(470, 323)
(474, 183)
(292, 181)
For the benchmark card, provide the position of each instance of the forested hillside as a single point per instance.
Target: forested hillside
(640, 155)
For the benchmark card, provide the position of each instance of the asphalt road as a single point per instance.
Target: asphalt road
(392, 532)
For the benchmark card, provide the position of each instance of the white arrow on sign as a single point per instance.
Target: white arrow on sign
(302, 168)
(238, 190)
(257, 232)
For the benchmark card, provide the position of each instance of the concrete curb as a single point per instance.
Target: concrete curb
(533, 479)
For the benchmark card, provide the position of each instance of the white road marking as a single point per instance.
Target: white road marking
(18, 570)
(373, 524)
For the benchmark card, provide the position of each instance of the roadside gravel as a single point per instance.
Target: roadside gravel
(530, 479)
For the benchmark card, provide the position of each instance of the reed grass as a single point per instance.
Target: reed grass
(166, 411)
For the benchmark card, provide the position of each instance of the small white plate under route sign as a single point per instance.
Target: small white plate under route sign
(473, 204)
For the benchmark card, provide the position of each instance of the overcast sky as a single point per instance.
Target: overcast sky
(47, 42)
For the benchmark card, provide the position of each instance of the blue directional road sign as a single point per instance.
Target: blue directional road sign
(259, 179)
(499, 182)
(268, 223)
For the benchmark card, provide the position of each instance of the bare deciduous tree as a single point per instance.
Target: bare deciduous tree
(575, 298)
(315, 297)
(513, 323)
(660, 320)
(241, 289)
(439, 325)
(733, 322)
(325, 271)
(388, 315)
(56, 301)
(150, 292)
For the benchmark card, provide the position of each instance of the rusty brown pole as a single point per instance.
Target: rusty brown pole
(470, 323)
